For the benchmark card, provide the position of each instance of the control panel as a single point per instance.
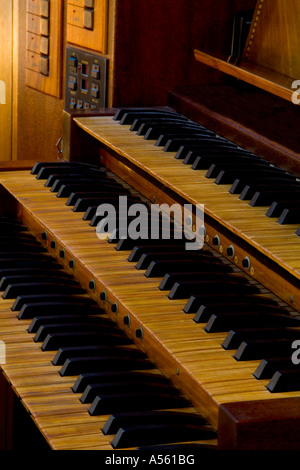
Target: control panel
(85, 86)
(43, 45)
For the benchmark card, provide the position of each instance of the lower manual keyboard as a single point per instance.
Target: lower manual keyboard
(97, 380)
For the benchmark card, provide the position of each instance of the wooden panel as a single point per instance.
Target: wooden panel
(152, 55)
(274, 41)
(77, 33)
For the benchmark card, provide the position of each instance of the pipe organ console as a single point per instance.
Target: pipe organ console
(136, 342)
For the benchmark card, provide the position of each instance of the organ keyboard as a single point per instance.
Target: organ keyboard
(214, 326)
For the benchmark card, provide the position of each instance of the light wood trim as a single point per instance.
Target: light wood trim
(6, 79)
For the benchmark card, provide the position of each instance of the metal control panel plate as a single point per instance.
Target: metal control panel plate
(86, 80)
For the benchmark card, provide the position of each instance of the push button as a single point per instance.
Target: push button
(44, 65)
(45, 8)
(72, 64)
(72, 83)
(95, 90)
(95, 72)
(44, 27)
(44, 45)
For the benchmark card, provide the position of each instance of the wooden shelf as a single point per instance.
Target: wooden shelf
(275, 83)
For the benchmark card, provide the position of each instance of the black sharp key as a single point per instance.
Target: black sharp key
(169, 279)
(247, 186)
(67, 189)
(130, 116)
(133, 436)
(214, 162)
(126, 244)
(81, 365)
(229, 321)
(14, 290)
(39, 298)
(83, 203)
(79, 165)
(258, 349)
(181, 135)
(16, 274)
(146, 258)
(24, 253)
(164, 138)
(289, 216)
(237, 336)
(227, 299)
(43, 320)
(38, 277)
(182, 281)
(65, 353)
(183, 290)
(93, 390)
(163, 133)
(70, 307)
(8, 276)
(263, 184)
(140, 249)
(284, 381)
(11, 226)
(54, 341)
(19, 237)
(262, 305)
(95, 181)
(139, 112)
(235, 163)
(203, 156)
(162, 120)
(210, 155)
(91, 214)
(55, 180)
(173, 145)
(27, 245)
(142, 126)
(266, 197)
(158, 268)
(118, 420)
(113, 403)
(28, 262)
(84, 380)
(73, 198)
(229, 176)
(45, 171)
(267, 367)
(87, 325)
(277, 207)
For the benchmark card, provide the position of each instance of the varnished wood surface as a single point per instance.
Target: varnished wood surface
(193, 359)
